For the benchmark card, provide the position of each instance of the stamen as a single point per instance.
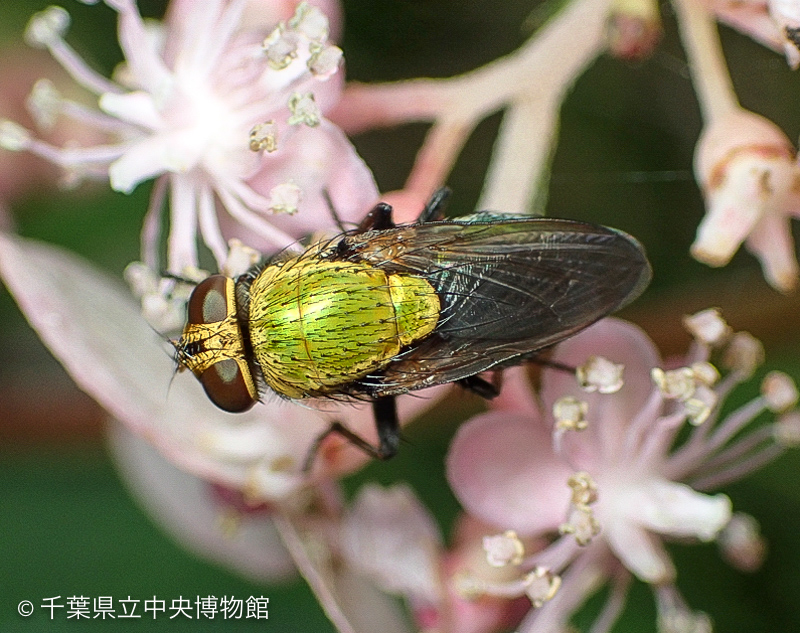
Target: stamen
(14, 137)
(181, 247)
(584, 489)
(541, 586)
(163, 299)
(581, 521)
(229, 193)
(570, 414)
(744, 354)
(707, 327)
(600, 374)
(786, 431)
(44, 103)
(733, 423)
(503, 549)
(705, 373)
(739, 469)
(209, 223)
(684, 621)
(46, 27)
(741, 543)
(264, 137)
(614, 604)
(582, 524)
(151, 227)
(557, 556)
(470, 587)
(779, 391)
(676, 384)
(699, 407)
(304, 110)
(280, 48)
(240, 259)
(325, 61)
(310, 21)
(674, 616)
(140, 278)
(285, 198)
(46, 30)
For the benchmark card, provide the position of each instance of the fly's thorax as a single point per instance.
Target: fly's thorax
(212, 346)
(317, 325)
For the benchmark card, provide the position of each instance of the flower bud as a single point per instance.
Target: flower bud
(745, 165)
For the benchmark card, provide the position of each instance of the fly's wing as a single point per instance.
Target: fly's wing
(507, 287)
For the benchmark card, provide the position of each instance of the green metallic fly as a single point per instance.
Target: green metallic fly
(383, 309)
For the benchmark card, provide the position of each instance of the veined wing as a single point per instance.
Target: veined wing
(508, 288)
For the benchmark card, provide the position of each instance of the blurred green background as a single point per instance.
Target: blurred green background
(67, 525)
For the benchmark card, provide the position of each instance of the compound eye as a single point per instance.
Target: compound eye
(229, 385)
(211, 300)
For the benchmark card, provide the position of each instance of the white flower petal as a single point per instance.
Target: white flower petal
(675, 509)
(134, 107)
(142, 160)
(95, 329)
(352, 602)
(641, 552)
(390, 536)
(182, 505)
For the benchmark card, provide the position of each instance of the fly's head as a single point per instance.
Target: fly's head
(212, 346)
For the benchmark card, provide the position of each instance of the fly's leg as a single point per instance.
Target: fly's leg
(385, 410)
(481, 387)
(489, 390)
(380, 216)
(388, 434)
(434, 209)
(378, 219)
(551, 364)
(540, 357)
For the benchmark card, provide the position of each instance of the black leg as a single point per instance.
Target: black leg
(545, 362)
(434, 210)
(379, 219)
(385, 410)
(479, 386)
(388, 434)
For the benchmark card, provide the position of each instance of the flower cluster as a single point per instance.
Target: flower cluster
(224, 104)
(237, 111)
(561, 509)
(630, 476)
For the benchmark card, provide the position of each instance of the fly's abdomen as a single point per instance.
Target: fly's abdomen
(318, 325)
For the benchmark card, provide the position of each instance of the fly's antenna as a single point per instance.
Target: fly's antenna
(334, 214)
(180, 278)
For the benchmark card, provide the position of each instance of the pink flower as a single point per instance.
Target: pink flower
(391, 539)
(747, 169)
(185, 506)
(606, 473)
(225, 107)
(21, 173)
(774, 23)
